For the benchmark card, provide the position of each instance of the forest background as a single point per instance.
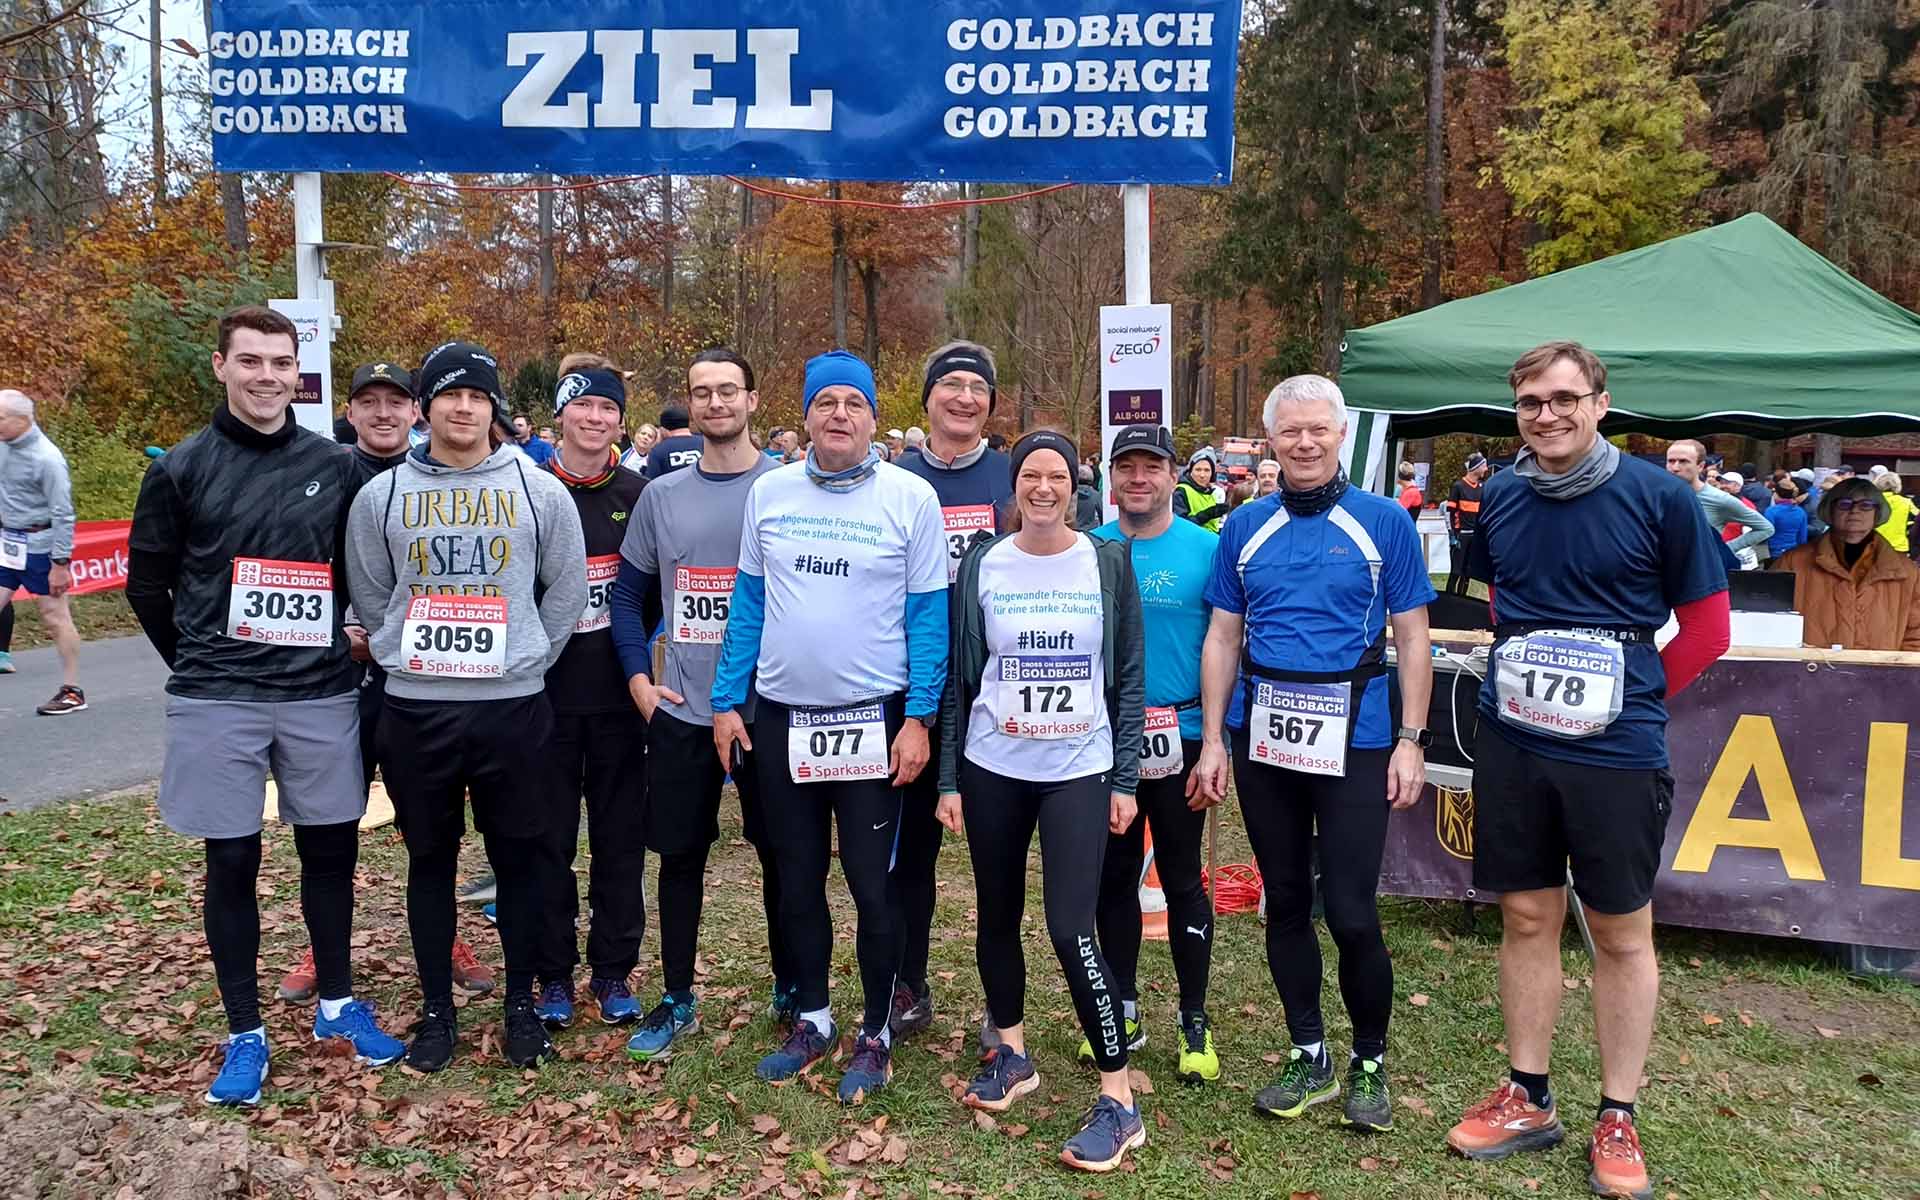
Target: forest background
(1391, 155)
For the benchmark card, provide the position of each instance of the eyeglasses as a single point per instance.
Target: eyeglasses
(1841, 506)
(725, 391)
(1561, 404)
(850, 406)
(972, 387)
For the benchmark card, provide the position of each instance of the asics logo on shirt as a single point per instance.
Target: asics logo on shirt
(1031, 640)
(813, 564)
(313, 489)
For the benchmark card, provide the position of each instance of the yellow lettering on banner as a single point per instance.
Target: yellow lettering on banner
(1881, 864)
(1752, 749)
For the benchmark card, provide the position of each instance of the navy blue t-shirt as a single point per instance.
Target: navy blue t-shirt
(977, 496)
(673, 452)
(1311, 600)
(1625, 554)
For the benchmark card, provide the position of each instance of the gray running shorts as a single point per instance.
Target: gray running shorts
(213, 783)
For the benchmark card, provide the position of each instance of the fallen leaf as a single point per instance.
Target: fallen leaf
(1141, 1081)
(1303, 1196)
(1824, 1032)
(1015, 1131)
(1271, 1058)
(1746, 1019)
(1369, 1163)
(1868, 1080)
(1710, 1020)
(685, 1156)
(1570, 984)
(766, 1125)
(1419, 1000)
(984, 1121)
(710, 1131)
(895, 1151)
(857, 1151)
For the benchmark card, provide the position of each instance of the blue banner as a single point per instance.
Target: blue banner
(1085, 91)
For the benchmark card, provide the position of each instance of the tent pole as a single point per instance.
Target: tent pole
(1136, 208)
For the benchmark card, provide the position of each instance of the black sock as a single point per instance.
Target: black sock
(1536, 1085)
(1625, 1106)
(6, 628)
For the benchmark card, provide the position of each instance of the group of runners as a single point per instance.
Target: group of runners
(879, 654)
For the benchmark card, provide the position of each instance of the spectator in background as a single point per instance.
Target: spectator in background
(1754, 489)
(1809, 500)
(531, 446)
(996, 441)
(1849, 587)
(1266, 477)
(896, 442)
(1899, 511)
(1463, 518)
(1788, 517)
(1239, 494)
(633, 455)
(1410, 497)
(1195, 497)
(678, 447)
(546, 434)
(1734, 484)
(1086, 501)
(775, 448)
(916, 437)
(1684, 459)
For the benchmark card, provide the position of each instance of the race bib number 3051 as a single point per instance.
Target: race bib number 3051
(463, 637)
(837, 743)
(1559, 682)
(1300, 726)
(701, 599)
(281, 603)
(602, 570)
(962, 521)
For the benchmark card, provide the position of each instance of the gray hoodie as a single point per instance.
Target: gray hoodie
(34, 492)
(501, 528)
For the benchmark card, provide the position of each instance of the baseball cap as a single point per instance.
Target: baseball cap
(1733, 477)
(380, 373)
(892, 433)
(1154, 439)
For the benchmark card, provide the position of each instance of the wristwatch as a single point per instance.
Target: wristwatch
(61, 562)
(1422, 738)
(926, 722)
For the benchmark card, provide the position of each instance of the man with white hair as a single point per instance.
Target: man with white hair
(36, 543)
(916, 438)
(1303, 588)
(1266, 477)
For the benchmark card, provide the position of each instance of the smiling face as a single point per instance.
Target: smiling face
(1560, 440)
(381, 415)
(1306, 437)
(590, 424)
(459, 418)
(260, 371)
(957, 407)
(1266, 477)
(1142, 483)
(718, 401)
(840, 425)
(1043, 490)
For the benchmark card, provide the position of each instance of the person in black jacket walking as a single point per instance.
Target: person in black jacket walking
(1041, 727)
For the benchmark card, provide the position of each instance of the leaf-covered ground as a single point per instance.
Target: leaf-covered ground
(1773, 1075)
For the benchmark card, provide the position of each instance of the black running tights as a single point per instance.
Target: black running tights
(1179, 834)
(328, 855)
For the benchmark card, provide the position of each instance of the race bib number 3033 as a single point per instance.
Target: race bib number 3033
(702, 597)
(1300, 726)
(826, 744)
(463, 637)
(281, 603)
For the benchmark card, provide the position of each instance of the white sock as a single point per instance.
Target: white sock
(886, 1034)
(821, 1019)
(1130, 1009)
(1313, 1052)
(1354, 1058)
(331, 1009)
(258, 1029)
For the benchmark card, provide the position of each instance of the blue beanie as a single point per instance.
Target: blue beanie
(839, 367)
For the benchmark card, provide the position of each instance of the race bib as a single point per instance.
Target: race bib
(1560, 682)
(1300, 726)
(281, 603)
(1045, 695)
(602, 570)
(962, 522)
(463, 637)
(13, 552)
(837, 743)
(701, 599)
(1161, 753)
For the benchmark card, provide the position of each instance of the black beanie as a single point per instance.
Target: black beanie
(591, 381)
(459, 364)
(960, 358)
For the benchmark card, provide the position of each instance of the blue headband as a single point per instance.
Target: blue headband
(839, 367)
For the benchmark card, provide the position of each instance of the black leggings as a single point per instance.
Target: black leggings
(520, 864)
(801, 820)
(683, 885)
(602, 756)
(231, 913)
(1457, 565)
(1001, 815)
(1282, 809)
(6, 636)
(1178, 836)
(915, 867)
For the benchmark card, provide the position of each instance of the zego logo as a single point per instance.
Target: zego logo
(1134, 349)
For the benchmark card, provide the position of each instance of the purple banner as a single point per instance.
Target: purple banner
(1790, 809)
(1134, 406)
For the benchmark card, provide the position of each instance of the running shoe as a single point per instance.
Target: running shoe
(555, 1006)
(1619, 1169)
(355, 1023)
(1504, 1123)
(244, 1072)
(1198, 1062)
(912, 1011)
(1369, 1107)
(804, 1047)
(302, 983)
(527, 1042)
(1136, 1038)
(433, 1041)
(785, 1008)
(69, 699)
(489, 911)
(478, 890)
(1107, 1132)
(666, 1023)
(6, 663)
(470, 973)
(870, 1070)
(1003, 1077)
(1303, 1083)
(990, 1035)
(615, 998)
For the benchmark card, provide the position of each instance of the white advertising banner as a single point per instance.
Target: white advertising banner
(313, 399)
(1136, 375)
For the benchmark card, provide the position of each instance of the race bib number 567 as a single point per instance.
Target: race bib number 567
(281, 603)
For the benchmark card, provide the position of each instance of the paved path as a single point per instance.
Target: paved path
(115, 744)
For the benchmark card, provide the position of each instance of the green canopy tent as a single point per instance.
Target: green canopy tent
(1735, 329)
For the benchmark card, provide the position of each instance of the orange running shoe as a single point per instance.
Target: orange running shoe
(1506, 1122)
(469, 972)
(1619, 1168)
(299, 985)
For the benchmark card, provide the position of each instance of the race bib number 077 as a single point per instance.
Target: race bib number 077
(837, 743)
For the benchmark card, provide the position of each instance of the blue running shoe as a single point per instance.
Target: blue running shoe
(615, 998)
(1107, 1132)
(6, 663)
(491, 912)
(555, 1006)
(355, 1023)
(870, 1070)
(243, 1074)
(1003, 1078)
(804, 1047)
(668, 1022)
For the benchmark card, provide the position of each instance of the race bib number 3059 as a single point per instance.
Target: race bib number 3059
(281, 603)
(702, 597)
(602, 570)
(1300, 726)
(962, 521)
(837, 743)
(463, 637)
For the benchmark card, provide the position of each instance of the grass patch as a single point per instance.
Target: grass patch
(1772, 1073)
(99, 615)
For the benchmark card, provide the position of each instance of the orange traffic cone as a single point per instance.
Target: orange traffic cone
(1153, 898)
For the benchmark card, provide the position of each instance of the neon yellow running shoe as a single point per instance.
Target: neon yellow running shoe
(1198, 1062)
(1136, 1038)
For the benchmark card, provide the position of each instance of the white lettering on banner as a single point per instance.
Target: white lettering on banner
(836, 744)
(1087, 121)
(527, 104)
(682, 78)
(1093, 31)
(308, 81)
(309, 43)
(280, 603)
(312, 118)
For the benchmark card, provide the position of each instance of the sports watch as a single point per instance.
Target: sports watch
(1422, 738)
